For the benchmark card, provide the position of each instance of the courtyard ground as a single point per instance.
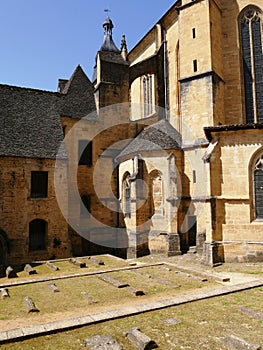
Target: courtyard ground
(202, 322)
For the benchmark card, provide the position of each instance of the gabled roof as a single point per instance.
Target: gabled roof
(30, 119)
(158, 136)
(30, 123)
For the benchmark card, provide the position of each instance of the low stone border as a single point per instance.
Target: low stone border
(62, 325)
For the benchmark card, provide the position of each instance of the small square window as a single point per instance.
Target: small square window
(39, 184)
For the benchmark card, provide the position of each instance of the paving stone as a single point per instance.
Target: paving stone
(171, 321)
(99, 342)
(3, 336)
(140, 340)
(14, 333)
(234, 343)
(33, 330)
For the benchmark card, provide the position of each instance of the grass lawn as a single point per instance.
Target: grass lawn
(202, 323)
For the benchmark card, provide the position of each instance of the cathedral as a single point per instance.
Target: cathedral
(161, 153)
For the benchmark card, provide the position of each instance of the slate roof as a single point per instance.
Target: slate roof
(30, 118)
(219, 128)
(158, 136)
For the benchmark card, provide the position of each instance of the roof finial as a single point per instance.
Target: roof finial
(108, 43)
(124, 50)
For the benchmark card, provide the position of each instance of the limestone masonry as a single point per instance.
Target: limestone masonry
(161, 153)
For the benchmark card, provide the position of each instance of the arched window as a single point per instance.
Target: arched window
(147, 95)
(126, 197)
(258, 188)
(37, 235)
(251, 43)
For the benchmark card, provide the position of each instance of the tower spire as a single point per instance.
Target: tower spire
(108, 43)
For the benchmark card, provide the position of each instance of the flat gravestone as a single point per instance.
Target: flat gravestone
(99, 342)
(116, 283)
(52, 266)
(234, 343)
(30, 305)
(140, 340)
(136, 292)
(10, 272)
(254, 314)
(53, 287)
(29, 269)
(171, 321)
(88, 297)
(95, 260)
(77, 262)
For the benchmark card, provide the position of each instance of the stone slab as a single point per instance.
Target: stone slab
(99, 342)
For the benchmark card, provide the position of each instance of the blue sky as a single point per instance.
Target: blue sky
(43, 40)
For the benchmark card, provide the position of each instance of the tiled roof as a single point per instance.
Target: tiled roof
(30, 119)
(159, 136)
(210, 129)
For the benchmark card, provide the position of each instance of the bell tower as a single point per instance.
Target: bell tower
(111, 71)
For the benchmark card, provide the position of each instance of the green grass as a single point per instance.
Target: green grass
(202, 324)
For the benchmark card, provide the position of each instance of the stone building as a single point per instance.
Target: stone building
(162, 151)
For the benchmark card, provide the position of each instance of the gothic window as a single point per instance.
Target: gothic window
(39, 184)
(126, 188)
(251, 43)
(147, 95)
(37, 235)
(258, 188)
(85, 153)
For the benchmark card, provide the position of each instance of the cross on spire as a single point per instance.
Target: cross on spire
(107, 11)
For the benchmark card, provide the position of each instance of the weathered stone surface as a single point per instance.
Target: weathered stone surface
(102, 343)
(53, 287)
(4, 293)
(113, 281)
(234, 343)
(77, 262)
(171, 321)
(10, 272)
(29, 269)
(52, 266)
(96, 260)
(30, 305)
(140, 340)
(198, 278)
(89, 298)
(255, 314)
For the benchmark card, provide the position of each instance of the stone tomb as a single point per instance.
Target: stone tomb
(111, 280)
(140, 340)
